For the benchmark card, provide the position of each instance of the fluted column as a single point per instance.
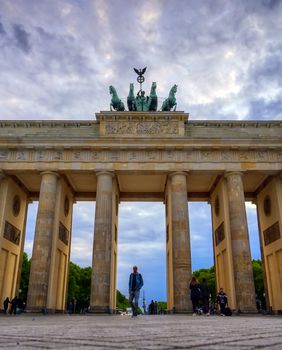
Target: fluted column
(241, 254)
(102, 247)
(180, 242)
(2, 177)
(42, 246)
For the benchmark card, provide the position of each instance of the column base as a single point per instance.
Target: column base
(101, 310)
(43, 310)
(174, 311)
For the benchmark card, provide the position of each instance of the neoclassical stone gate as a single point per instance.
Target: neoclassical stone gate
(152, 156)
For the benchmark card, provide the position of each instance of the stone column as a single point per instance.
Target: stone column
(181, 254)
(2, 177)
(241, 254)
(102, 247)
(42, 246)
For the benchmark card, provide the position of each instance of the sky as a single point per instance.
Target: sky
(58, 58)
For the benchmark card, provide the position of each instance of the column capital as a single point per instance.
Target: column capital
(105, 172)
(49, 172)
(230, 173)
(185, 173)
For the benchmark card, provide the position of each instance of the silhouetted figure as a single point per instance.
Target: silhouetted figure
(155, 307)
(70, 307)
(6, 305)
(195, 294)
(258, 304)
(205, 293)
(14, 304)
(151, 307)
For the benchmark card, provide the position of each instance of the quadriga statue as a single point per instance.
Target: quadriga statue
(142, 103)
(116, 102)
(170, 102)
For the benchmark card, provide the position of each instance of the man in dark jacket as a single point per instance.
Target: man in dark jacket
(222, 301)
(135, 284)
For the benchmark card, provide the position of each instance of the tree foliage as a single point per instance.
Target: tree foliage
(258, 279)
(24, 277)
(79, 286)
(209, 275)
(122, 301)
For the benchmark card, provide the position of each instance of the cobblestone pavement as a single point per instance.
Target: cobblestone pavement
(145, 332)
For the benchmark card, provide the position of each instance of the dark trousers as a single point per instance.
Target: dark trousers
(222, 308)
(206, 306)
(195, 304)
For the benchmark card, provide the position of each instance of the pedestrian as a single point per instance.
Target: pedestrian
(70, 307)
(135, 284)
(195, 294)
(222, 301)
(205, 293)
(6, 305)
(155, 307)
(14, 304)
(151, 307)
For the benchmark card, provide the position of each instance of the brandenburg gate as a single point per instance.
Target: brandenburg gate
(140, 156)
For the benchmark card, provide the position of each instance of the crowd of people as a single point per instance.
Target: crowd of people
(201, 299)
(199, 292)
(13, 306)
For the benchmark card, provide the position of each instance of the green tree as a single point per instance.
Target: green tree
(24, 277)
(258, 279)
(122, 301)
(209, 275)
(79, 286)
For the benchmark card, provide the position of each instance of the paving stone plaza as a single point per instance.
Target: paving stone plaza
(145, 332)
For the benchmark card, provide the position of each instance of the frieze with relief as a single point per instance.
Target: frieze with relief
(142, 128)
(135, 155)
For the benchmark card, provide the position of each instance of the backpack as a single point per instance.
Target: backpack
(228, 311)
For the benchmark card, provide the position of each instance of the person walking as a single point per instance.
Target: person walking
(222, 301)
(195, 294)
(205, 292)
(135, 284)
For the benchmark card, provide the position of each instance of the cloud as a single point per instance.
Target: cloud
(2, 30)
(22, 38)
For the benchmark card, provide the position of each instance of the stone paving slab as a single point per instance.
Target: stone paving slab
(145, 332)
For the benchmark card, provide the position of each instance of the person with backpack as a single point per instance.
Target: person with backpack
(222, 301)
(195, 294)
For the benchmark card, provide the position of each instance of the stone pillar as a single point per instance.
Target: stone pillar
(102, 247)
(2, 204)
(269, 205)
(13, 206)
(241, 254)
(181, 253)
(42, 246)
